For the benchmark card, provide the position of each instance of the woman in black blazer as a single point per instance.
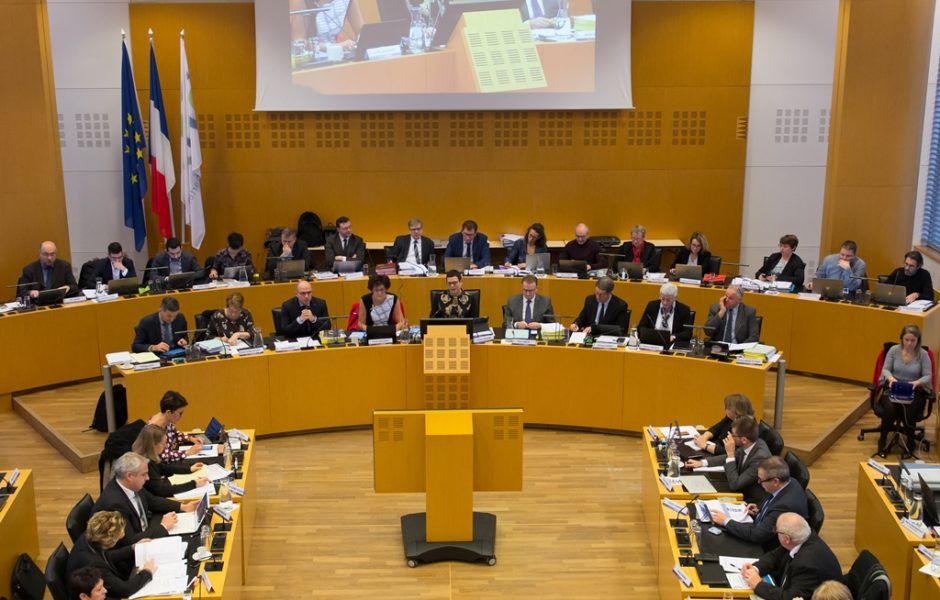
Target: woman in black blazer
(784, 265)
(95, 548)
(695, 251)
(150, 444)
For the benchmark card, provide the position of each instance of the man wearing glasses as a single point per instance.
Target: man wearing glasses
(744, 452)
(785, 495)
(797, 566)
(304, 314)
(413, 248)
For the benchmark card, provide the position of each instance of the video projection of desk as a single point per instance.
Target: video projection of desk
(923, 586)
(18, 532)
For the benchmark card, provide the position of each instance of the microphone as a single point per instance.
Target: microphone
(690, 507)
(8, 488)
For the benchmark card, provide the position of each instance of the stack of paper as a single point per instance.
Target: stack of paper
(118, 358)
(169, 554)
(917, 306)
(139, 358)
(197, 493)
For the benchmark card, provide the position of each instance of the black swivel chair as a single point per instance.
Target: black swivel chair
(77, 519)
(388, 253)
(867, 579)
(202, 322)
(815, 513)
(799, 472)
(276, 316)
(657, 260)
(760, 326)
(86, 275)
(474, 302)
(55, 573)
(714, 263)
(772, 438)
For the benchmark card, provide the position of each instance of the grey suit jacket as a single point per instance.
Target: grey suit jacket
(542, 311)
(745, 325)
(742, 473)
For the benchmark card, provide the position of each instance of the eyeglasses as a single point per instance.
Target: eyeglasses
(759, 480)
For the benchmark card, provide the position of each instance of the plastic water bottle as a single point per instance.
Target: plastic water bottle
(432, 267)
(634, 340)
(99, 287)
(227, 453)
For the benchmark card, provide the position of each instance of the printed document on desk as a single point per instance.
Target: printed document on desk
(734, 512)
(207, 451)
(196, 493)
(685, 431)
(169, 555)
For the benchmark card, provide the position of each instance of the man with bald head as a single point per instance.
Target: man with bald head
(582, 247)
(304, 314)
(47, 273)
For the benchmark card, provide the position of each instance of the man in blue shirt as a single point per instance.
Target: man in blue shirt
(845, 266)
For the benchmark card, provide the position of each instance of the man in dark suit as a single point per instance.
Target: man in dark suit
(603, 313)
(730, 320)
(115, 266)
(668, 314)
(344, 244)
(469, 242)
(638, 250)
(785, 495)
(744, 451)
(162, 330)
(413, 248)
(145, 515)
(797, 566)
(47, 273)
(289, 248)
(172, 261)
(539, 14)
(304, 314)
(529, 309)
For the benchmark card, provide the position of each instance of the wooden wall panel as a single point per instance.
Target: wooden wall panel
(882, 55)
(31, 197)
(691, 61)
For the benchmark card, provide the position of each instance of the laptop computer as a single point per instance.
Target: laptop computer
(689, 272)
(346, 266)
(189, 522)
(181, 281)
(830, 289)
(289, 269)
(892, 295)
(573, 266)
(54, 296)
(382, 332)
(931, 510)
(534, 261)
(213, 430)
(235, 272)
(654, 337)
(634, 270)
(377, 35)
(457, 263)
(124, 287)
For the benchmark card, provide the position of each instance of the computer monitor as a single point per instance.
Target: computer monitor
(53, 296)
(377, 35)
(689, 272)
(467, 324)
(828, 288)
(931, 518)
(347, 266)
(181, 281)
(654, 337)
(289, 269)
(534, 261)
(891, 295)
(634, 270)
(379, 332)
(235, 272)
(457, 263)
(573, 266)
(450, 12)
(124, 287)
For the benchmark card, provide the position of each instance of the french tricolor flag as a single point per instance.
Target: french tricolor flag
(162, 175)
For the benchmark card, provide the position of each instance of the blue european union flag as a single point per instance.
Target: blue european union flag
(133, 147)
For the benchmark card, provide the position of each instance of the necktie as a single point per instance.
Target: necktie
(601, 309)
(468, 254)
(763, 509)
(167, 333)
(46, 278)
(729, 326)
(664, 324)
(528, 311)
(417, 253)
(537, 9)
(141, 512)
(345, 240)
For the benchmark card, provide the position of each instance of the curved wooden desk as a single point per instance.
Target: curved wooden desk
(52, 346)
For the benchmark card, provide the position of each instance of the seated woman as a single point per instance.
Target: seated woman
(454, 303)
(232, 323)
(95, 548)
(906, 362)
(695, 253)
(534, 242)
(784, 265)
(87, 584)
(736, 405)
(171, 411)
(380, 308)
(150, 444)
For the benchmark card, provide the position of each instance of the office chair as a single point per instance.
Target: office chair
(714, 264)
(276, 316)
(799, 472)
(388, 254)
(202, 322)
(86, 276)
(815, 515)
(760, 326)
(772, 438)
(77, 519)
(876, 391)
(867, 579)
(657, 260)
(55, 573)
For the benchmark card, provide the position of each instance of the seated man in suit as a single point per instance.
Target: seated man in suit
(730, 320)
(603, 313)
(304, 314)
(469, 242)
(344, 244)
(638, 250)
(668, 314)
(785, 495)
(582, 247)
(539, 14)
(145, 515)
(47, 273)
(289, 248)
(744, 451)
(172, 261)
(233, 255)
(915, 279)
(529, 309)
(116, 266)
(797, 566)
(455, 303)
(162, 330)
(413, 248)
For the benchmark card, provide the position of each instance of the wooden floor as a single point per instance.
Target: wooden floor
(575, 531)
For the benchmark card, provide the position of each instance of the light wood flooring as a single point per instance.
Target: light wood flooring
(575, 531)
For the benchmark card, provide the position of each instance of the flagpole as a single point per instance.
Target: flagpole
(184, 180)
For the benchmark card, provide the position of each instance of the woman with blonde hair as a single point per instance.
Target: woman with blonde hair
(695, 253)
(150, 443)
(96, 548)
(736, 405)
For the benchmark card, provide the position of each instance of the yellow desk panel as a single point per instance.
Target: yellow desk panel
(18, 532)
(923, 586)
(233, 390)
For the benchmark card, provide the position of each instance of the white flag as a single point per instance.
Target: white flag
(190, 157)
